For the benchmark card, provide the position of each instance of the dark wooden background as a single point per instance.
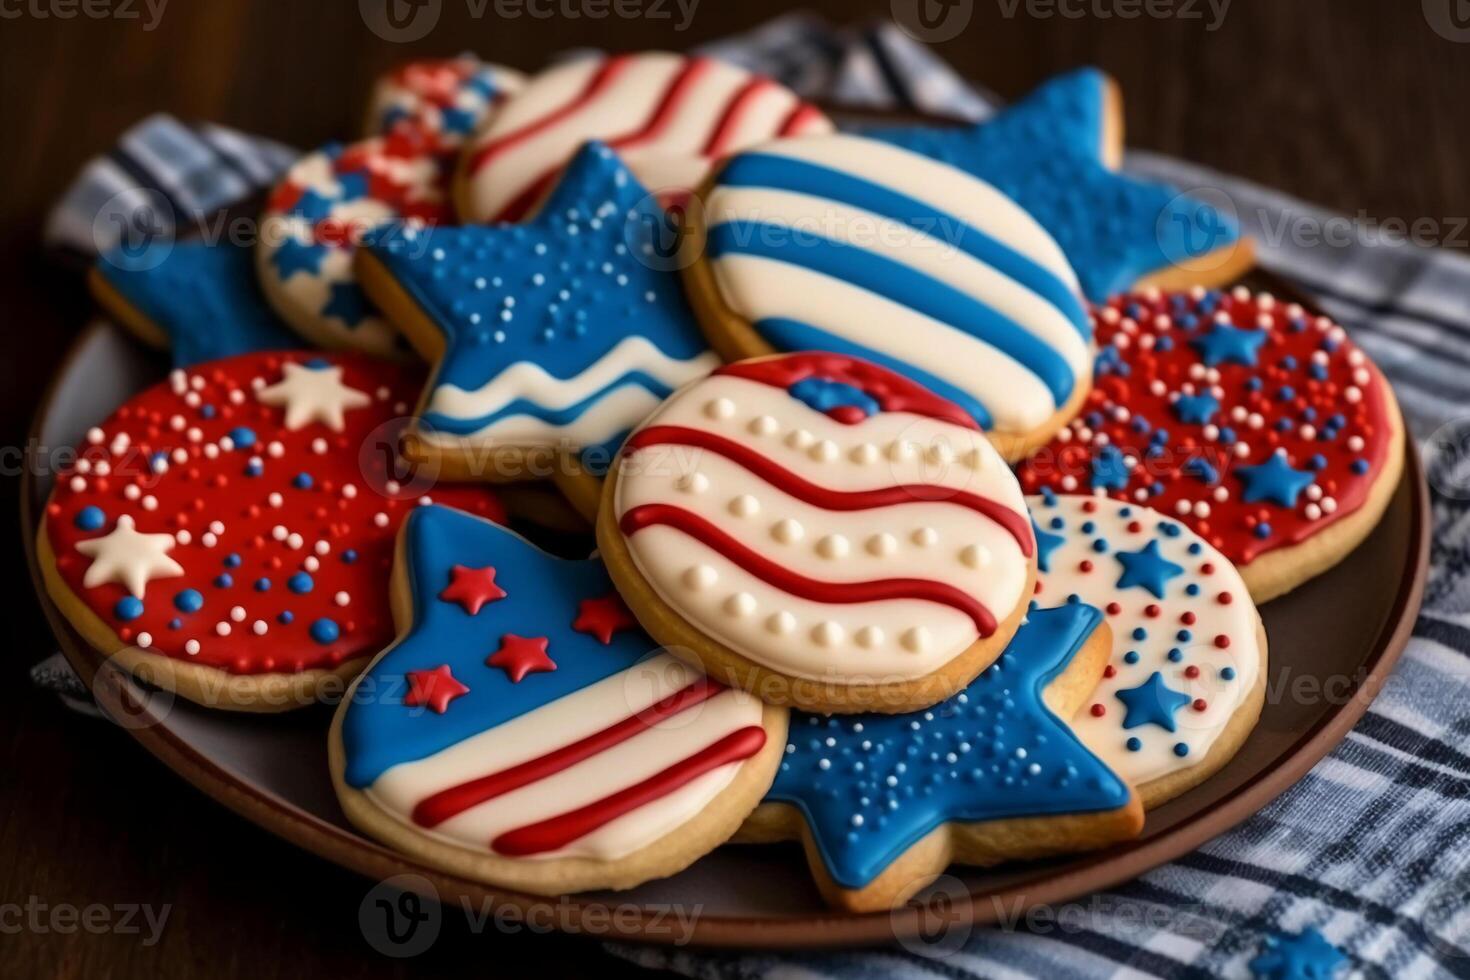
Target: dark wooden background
(1357, 105)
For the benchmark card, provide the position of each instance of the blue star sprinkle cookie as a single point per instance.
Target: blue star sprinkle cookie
(552, 339)
(1306, 956)
(201, 301)
(524, 731)
(1186, 679)
(886, 802)
(1051, 154)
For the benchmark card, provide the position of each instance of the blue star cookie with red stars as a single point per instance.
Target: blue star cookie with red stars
(1256, 423)
(317, 216)
(201, 301)
(447, 98)
(517, 735)
(1056, 154)
(228, 533)
(885, 802)
(1186, 680)
(552, 339)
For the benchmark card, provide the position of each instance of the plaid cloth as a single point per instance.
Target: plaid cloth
(1372, 848)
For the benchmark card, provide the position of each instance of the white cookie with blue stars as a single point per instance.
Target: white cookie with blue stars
(1187, 678)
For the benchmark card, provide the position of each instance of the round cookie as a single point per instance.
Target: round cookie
(853, 245)
(449, 98)
(317, 216)
(821, 531)
(523, 731)
(227, 534)
(884, 803)
(668, 116)
(1258, 424)
(1187, 677)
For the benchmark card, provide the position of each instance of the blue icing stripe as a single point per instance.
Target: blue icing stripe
(824, 395)
(793, 335)
(543, 592)
(783, 173)
(556, 416)
(205, 298)
(1044, 153)
(900, 284)
(595, 267)
(871, 786)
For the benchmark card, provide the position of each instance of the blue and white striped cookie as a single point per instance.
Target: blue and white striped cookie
(847, 244)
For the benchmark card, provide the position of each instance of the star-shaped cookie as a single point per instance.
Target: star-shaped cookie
(202, 302)
(884, 803)
(551, 339)
(1055, 153)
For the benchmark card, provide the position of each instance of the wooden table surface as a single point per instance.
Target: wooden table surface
(1356, 105)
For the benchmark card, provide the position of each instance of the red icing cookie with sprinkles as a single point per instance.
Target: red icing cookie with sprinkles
(822, 531)
(1186, 678)
(1258, 424)
(668, 116)
(228, 533)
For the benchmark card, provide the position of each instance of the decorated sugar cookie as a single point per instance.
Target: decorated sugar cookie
(1258, 424)
(884, 803)
(449, 98)
(1055, 153)
(523, 731)
(822, 531)
(851, 245)
(317, 216)
(669, 116)
(551, 339)
(227, 534)
(1187, 677)
(202, 302)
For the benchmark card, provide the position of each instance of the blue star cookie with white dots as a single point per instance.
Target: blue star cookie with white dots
(1186, 679)
(551, 339)
(992, 774)
(1055, 153)
(201, 301)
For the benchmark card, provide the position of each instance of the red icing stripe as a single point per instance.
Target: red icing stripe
(815, 590)
(434, 810)
(549, 835)
(893, 391)
(689, 76)
(801, 117)
(724, 131)
(604, 77)
(1018, 526)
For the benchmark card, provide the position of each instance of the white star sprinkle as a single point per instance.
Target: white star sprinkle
(313, 395)
(128, 557)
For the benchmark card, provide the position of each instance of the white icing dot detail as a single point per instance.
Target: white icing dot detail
(191, 647)
(693, 483)
(787, 531)
(975, 555)
(881, 544)
(833, 546)
(763, 425)
(237, 613)
(824, 451)
(740, 604)
(869, 637)
(924, 537)
(259, 627)
(915, 639)
(719, 408)
(145, 639)
(699, 577)
(745, 506)
(342, 598)
(864, 454)
(800, 439)
(781, 622)
(827, 634)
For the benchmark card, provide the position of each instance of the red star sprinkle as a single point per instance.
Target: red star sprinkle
(472, 588)
(520, 655)
(435, 688)
(603, 616)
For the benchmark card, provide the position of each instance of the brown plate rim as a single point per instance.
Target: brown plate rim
(819, 930)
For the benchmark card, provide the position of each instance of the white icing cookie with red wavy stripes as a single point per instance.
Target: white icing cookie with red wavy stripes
(668, 116)
(821, 531)
(523, 731)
